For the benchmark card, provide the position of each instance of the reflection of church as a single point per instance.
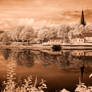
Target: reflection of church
(84, 37)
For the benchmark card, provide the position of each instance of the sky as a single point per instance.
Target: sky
(42, 9)
(62, 4)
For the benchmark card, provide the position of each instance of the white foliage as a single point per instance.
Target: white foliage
(28, 30)
(90, 75)
(64, 90)
(10, 84)
(27, 33)
(27, 86)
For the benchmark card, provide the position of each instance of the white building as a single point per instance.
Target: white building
(82, 38)
(88, 37)
(77, 39)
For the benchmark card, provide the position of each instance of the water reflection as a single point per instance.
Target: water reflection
(72, 63)
(68, 59)
(22, 57)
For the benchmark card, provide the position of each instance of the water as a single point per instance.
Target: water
(59, 70)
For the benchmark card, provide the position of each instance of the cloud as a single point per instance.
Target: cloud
(64, 4)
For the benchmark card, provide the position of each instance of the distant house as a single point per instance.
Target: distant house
(87, 37)
(77, 39)
(82, 38)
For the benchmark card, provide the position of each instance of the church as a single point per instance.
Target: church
(84, 37)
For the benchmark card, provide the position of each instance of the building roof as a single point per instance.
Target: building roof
(82, 35)
(87, 34)
(77, 36)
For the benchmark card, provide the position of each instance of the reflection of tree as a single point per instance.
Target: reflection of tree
(47, 59)
(66, 60)
(24, 57)
(27, 57)
(6, 53)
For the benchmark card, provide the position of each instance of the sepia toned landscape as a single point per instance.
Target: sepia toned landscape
(45, 46)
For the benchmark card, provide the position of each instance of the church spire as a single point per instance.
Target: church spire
(83, 19)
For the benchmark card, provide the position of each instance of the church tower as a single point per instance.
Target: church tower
(83, 19)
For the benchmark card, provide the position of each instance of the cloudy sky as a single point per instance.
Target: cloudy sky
(46, 9)
(62, 4)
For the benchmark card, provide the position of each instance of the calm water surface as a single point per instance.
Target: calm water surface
(59, 70)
